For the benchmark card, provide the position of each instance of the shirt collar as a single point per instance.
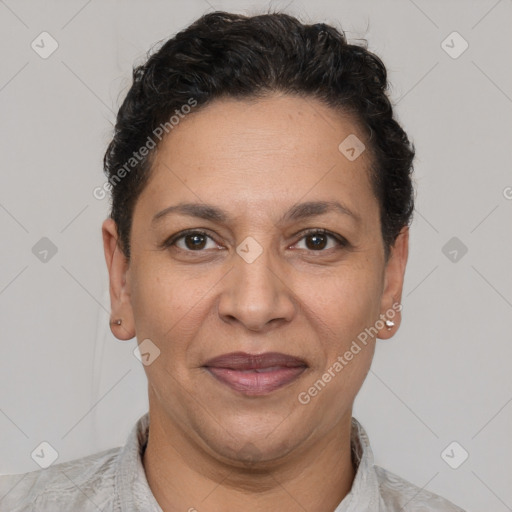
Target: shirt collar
(133, 492)
(131, 486)
(364, 494)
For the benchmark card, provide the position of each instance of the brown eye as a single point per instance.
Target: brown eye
(195, 241)
(320, 240)
(190, 241)
(316, 242)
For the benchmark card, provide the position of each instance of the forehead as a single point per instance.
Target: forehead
(261, 153)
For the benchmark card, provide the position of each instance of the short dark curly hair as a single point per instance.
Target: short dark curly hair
(231, 55)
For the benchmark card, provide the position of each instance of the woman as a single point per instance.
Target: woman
(257, 245)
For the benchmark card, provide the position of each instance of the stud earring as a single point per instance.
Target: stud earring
(389, 324)
(116, 322)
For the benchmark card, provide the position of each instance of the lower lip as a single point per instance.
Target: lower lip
(256, 383)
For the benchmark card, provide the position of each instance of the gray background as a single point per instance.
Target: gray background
(444, 377)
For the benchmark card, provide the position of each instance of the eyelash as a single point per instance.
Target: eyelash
(171, 241)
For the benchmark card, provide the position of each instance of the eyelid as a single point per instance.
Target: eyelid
(171, 241)
(340, 240)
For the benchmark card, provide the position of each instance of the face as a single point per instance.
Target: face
(272, 245)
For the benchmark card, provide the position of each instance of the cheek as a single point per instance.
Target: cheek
(345, 351)
(158, 299)
(169, 305)
(346, 301)
(344, 380)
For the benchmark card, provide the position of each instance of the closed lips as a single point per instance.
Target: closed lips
(255, 374)
(267, 361)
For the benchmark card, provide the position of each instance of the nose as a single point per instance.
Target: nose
(256, 294)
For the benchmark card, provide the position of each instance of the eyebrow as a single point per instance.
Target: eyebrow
(296, 212)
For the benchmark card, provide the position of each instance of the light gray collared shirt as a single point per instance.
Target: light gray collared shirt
(114, 481)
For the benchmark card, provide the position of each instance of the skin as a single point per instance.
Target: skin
(211, 448)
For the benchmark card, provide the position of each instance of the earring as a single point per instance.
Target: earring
(116, 322)
(389, 324)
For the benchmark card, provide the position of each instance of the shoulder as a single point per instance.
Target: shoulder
(397, 493)
(81, 484)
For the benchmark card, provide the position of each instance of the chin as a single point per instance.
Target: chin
(252, 441)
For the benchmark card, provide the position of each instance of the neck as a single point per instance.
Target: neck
(182, 476)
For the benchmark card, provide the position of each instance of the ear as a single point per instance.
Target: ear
(118, 266)
(394, 274)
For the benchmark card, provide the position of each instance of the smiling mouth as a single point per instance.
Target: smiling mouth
(255, 374)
